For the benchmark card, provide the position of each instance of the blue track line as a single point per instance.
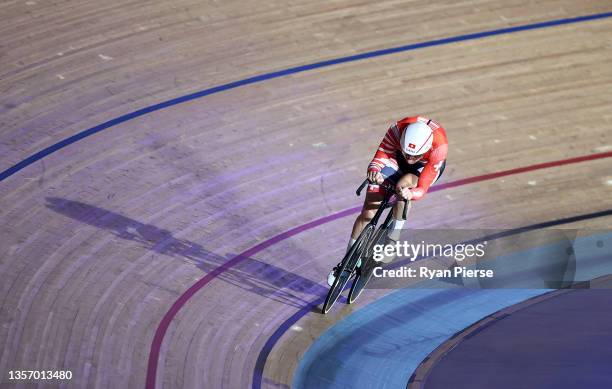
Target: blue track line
(281, 73)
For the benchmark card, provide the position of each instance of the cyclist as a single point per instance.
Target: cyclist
(411, 156)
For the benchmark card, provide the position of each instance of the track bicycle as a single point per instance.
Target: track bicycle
(363, 249)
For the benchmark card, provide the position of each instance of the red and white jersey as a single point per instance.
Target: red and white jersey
(390, 147)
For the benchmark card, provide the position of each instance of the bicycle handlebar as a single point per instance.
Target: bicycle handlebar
(363, 184)
(387, 187)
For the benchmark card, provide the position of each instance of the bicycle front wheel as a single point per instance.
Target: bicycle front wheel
(367, 266)
(348, 265)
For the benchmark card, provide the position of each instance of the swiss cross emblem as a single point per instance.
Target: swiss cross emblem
(411, 146)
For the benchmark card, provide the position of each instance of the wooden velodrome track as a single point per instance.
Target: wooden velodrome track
(101, 240)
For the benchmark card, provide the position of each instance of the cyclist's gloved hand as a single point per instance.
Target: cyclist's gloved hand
(375, 177)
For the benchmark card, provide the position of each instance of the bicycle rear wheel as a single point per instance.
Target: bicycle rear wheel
(348, 264)
(367, 266)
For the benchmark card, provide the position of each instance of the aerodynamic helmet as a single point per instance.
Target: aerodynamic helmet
(416, 139)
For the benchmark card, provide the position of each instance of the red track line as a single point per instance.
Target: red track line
(182, 300)
(523, 169)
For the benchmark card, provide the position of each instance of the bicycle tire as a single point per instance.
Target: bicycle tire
(367, 266)
(349, 263)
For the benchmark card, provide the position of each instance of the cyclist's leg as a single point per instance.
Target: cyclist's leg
(410, 180)
(370, 206)
(373, 199)
(397, 220)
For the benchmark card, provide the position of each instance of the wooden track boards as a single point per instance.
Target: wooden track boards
(99, 239)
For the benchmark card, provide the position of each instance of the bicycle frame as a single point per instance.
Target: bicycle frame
(386, 201)
(367, 238)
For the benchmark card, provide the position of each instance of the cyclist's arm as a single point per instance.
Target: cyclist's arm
(430, 172)
(386, 150)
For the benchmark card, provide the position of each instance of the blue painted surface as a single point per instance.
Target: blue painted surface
(281, 73)
(381, 345)
(284, 327)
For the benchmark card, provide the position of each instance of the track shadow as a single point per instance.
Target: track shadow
(251, 274)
